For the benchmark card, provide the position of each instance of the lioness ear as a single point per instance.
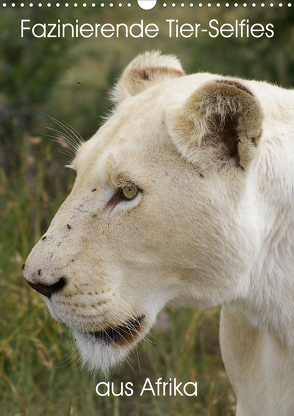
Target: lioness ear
(220, 123)
(144, 71)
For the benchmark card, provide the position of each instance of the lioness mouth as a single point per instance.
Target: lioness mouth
(122, 334)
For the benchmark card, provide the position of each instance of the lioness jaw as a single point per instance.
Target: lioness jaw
(182, 197)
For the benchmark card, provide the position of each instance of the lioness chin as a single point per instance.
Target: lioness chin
(184, 196)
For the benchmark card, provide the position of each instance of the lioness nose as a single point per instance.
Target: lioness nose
(48, 290)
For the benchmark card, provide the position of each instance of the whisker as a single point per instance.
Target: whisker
(74, 134)
(130, 326)
(61, 138)
(138, 359)
(67, 137)
(156, 340)
(149, 343)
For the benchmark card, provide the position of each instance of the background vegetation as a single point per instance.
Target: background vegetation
(69, 80)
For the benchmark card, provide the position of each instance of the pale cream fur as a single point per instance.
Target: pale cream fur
(211, 224)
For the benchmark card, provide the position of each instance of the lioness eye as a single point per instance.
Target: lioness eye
(129, 191)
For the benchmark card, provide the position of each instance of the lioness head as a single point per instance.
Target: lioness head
(160, 212)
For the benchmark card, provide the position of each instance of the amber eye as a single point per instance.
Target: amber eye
(129, 191)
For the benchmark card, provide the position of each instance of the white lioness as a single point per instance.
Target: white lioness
(184, 196)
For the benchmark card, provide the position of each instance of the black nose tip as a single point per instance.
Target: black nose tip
(48, 290)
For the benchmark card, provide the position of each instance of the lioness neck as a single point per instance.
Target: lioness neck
(269, 301)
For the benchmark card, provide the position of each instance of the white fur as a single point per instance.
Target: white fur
(211, 224)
